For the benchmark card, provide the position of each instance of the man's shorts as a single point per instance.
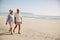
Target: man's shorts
(17, 23)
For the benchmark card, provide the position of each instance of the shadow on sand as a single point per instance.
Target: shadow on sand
(0, 38)
(4, 33)
(57, 39)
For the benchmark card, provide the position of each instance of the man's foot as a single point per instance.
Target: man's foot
(11, 33)
(19, 33)
(13, 30)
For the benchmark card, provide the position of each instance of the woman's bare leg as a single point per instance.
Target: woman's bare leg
(11, 31)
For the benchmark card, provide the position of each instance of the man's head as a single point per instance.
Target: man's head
(17, 10)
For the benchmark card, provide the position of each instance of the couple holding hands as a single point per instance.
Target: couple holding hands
(14, 19)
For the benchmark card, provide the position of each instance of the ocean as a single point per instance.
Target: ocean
(31, 15)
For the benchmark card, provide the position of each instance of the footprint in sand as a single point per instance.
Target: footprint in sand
(24, 35)
(42, 35)
(57, 39)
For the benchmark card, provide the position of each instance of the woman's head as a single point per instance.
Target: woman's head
(11, 11)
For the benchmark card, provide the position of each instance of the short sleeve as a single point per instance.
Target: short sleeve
(8, 17)
(20, 14)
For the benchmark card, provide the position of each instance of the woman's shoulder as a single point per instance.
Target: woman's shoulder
(8, 14)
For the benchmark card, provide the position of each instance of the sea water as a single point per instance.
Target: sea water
(31, 15)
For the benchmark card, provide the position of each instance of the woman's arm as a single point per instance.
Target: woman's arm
(7, 19)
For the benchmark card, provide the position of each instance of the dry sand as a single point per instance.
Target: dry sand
(32, 29)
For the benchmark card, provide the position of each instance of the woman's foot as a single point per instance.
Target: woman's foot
(9, 30)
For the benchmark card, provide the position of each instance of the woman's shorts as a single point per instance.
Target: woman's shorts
(11, 24)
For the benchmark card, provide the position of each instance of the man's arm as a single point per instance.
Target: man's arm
(21, 20)
(15, 20)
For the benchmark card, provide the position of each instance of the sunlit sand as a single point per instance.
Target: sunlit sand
(32, 29)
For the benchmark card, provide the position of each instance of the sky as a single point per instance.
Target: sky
(38, 7)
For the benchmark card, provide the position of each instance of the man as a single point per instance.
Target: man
(18, 21)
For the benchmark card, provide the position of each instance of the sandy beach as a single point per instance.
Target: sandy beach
(32, 29)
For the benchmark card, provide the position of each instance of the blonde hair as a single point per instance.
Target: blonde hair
(10, 10)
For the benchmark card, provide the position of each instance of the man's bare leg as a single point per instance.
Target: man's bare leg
(19, 29)
(14, 28)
